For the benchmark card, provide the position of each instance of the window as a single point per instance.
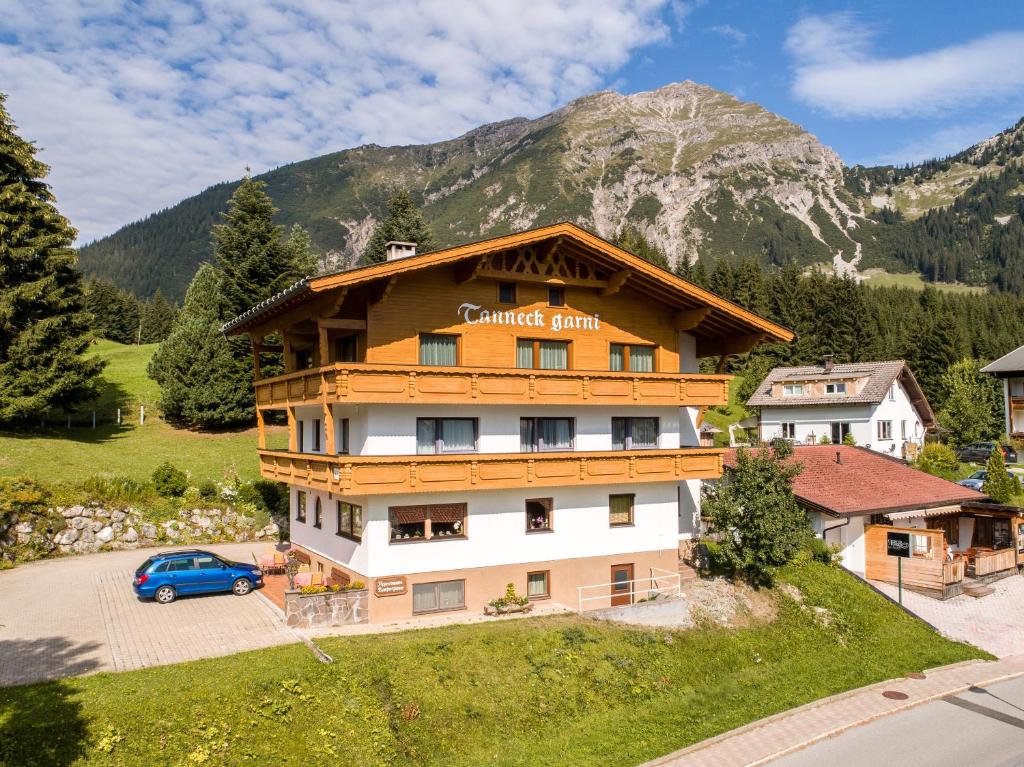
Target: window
(439, 596)
(835, 388)
(921, 545)
(350, 521)
(885, 429)
(620, 510)
(181, 565)
(300, 435)
(892, 393)
(427, 522)
(538, 584)
(792, 390)
(556, 296)
(446, 435)
(440, 350)
(300, 506)
(542, 355)
(788, 430)
(303, 359)
(208, 562)
(991, 533)
(903, 430)
(636, 359)
(506, 292)
(341, 436)
(316, 435)
(318, 514)
(948, 525)
(537, 435)
(634, 433)
(839, 431)
(345, 349)
(538, 515)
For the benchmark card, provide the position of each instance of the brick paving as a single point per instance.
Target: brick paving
(78, 615)
(762, 742)
(994, 623)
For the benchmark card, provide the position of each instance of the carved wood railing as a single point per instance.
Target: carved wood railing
(953, 572)
(986, 563)
(374, 475)
(365, 383)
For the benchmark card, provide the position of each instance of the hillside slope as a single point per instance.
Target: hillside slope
(697, 170)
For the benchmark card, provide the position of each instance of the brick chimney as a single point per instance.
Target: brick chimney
(395, 249)
(828, 362)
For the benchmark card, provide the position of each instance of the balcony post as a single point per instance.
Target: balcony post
(261, 430)
(329, 437)
(292, 431)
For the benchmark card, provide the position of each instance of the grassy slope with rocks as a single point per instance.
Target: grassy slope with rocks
(548, 691)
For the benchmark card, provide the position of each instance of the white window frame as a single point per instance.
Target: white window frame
(884, 430)
(792, 390)
(788, 429)
(835, 388)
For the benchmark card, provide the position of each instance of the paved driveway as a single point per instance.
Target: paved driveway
(78, 615)
(994, 623)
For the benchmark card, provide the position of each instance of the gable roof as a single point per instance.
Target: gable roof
(880, 377)
(723, 319)
(1011, 362)
(864, 482)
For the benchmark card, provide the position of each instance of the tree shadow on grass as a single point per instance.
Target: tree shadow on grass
(42, 724)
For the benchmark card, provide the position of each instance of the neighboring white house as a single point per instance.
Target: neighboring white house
(1010, 367)
(879, 403)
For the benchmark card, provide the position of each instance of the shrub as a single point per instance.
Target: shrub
(169, 481)
(510, 598)
(824, 439)
(208, 490)
(849, 439)
(822, 552)
(117, 490)
(1000, 485)
(938, 459)
(715, 559)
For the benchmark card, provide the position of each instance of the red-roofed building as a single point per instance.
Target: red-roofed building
(847, 490)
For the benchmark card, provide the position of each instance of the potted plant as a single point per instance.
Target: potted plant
(509, 603)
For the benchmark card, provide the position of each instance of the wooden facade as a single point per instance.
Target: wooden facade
(927, 570)
(392, 384)
(376, 475)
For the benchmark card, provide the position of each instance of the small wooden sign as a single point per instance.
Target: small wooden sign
(390, 587)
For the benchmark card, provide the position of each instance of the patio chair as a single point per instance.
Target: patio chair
(316, 579)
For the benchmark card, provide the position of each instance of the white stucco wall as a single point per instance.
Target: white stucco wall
(817, 420)
(848, 533)
(496, 527)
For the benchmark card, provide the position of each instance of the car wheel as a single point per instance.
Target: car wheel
(242, 587)
(165, 595)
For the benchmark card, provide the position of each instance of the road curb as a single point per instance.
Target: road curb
(696, 748)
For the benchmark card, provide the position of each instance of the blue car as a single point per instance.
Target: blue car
(170, 574)
(977, 479)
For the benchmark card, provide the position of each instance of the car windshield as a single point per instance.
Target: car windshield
(144, 566)
(979, 475)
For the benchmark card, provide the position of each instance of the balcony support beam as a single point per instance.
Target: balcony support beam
(615, 282)
(691, 318)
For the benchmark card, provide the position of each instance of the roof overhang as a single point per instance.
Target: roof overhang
(733, 328)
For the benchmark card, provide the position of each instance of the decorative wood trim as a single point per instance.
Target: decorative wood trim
(379, 475)
(615, 282)
(380, 290)
(341, 324)
(691, 318)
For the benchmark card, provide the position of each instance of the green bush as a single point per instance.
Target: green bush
(717, 561)
(938, 459)
(824, 439)
(208, 490)
(169, 481)
(821, 551)
(116, 490)
(849, 439)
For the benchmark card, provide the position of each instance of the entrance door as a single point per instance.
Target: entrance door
(622, 585)
(839, 430)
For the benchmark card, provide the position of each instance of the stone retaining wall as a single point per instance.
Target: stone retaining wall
(331, 608)
(83, 529)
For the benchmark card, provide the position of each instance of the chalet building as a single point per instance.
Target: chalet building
(1010, 368)
(519, 410)
(879, 403)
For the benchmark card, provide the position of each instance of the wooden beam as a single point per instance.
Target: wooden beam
(324, 347)
(261, 430)
(293, 435)
(380, 290)
(255, 360)
(691, 318)
(465, 271)
(501, 274)
(615, 282)
(714, 347)
(268, 348)
(342, 324)
(335, 306)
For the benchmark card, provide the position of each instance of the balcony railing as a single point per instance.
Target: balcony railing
(361, 383)
(375, 475)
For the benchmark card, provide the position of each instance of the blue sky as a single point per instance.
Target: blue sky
(137, 104)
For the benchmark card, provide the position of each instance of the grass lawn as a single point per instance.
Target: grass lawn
(58, 454)
(546, 691)
(734, 412)
(913, 280)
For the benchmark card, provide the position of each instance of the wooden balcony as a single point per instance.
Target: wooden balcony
(365, 383)
(375, 475)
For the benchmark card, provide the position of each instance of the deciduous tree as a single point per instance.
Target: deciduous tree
(972, 407)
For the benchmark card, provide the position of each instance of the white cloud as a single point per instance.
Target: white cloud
(738, 36)
(137, 105)
(835, 70)
(943, 141)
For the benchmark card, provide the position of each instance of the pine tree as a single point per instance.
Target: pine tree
(204, 383)
(301, 247)
(44, 327)
(254, 260)
(632, 240)
(971, 410)
(402, 223)
(156, 318)
(115, 312)
(999, 484)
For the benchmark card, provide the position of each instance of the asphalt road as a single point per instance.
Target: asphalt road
(977, 728)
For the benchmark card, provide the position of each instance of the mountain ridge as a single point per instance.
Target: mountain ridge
(699, 172)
